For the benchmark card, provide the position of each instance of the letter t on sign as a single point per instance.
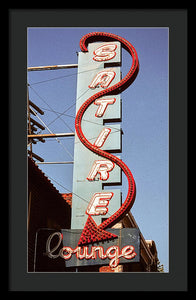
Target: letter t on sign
(103, 103)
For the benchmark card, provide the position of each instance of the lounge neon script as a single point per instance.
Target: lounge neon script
(114, 253)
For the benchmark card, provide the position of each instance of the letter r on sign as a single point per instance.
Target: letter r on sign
(102, 167)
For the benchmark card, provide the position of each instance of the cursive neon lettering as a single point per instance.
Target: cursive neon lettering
(113, 252)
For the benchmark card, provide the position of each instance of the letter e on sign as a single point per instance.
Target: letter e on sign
(98, 203)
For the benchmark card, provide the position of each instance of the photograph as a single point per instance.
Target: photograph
(97, 112)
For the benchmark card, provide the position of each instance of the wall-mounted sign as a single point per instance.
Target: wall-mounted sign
(95, 208)
(91, 170)
(61, 248)
(98, 103)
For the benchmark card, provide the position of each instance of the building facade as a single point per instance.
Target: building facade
(46, 208)
(50, 210)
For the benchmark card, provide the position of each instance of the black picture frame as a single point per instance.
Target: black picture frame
(177, 22)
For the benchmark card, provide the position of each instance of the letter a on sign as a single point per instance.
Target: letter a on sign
(102, 79)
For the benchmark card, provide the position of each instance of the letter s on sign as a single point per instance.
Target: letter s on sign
(105, 52)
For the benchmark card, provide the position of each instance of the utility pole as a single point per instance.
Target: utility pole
(32, 124)
(33, 138)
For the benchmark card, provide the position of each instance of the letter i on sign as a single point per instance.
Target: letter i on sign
(102, 137)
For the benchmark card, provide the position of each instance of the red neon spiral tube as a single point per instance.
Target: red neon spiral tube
(112, 90)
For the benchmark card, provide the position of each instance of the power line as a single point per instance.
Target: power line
(59, 114)
(53, 133)
(69, 107)
(50, 108)
(59, 117)
(64, 76)
(85, 120)
(83, 199)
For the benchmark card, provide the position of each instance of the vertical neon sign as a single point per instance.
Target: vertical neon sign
(93, 162)
(90, 170)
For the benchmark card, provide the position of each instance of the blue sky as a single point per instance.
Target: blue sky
(145, 117)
